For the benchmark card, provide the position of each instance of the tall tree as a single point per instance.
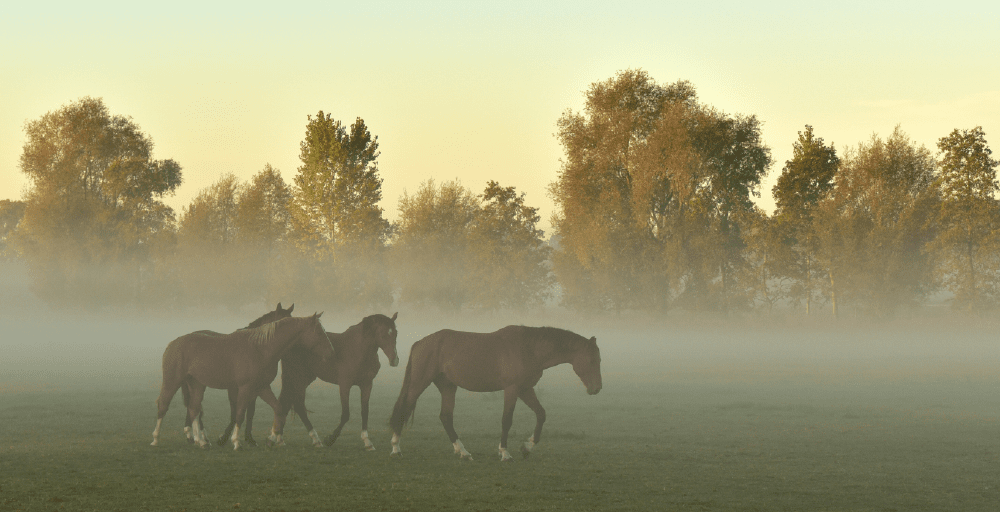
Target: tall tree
(431, 250)
(969, 216)
(336, 220)
(94, 208)
(211, 263)
(876, 224)
(509, 253)
(652, 186)
(263, 221)
(805, 179)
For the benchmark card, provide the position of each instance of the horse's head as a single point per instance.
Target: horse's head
(586, 363)
(272, 316)
(313, 338)
(381, 330)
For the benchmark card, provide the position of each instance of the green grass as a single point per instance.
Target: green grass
(667, 433)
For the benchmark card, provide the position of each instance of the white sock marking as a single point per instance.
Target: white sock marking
(504, 455)
(368, 442)
(156, 432)
(315, 437)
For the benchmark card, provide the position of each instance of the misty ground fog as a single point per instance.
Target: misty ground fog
(807, 359)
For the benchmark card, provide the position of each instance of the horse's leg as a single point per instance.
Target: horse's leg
(345, 412)
(268, 396)
(233, 393)
(251, 409)
(243, 399)
(531, 400)
(413, 386)
(186, 393)
(366, 393)
(448, 389)
(194, 412)
(509, 401)
(300, 409)
(167, 391)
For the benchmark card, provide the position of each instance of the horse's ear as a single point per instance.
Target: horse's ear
(290, 308)
(593, 339)
(394, 315)
(279, 307)
(317, 315)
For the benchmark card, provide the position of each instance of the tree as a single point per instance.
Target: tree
(211, 263)
(968, 209)
(649, 198)
(431, 250)
(337, 223)
(805, 180)
(11, 213)
(263, 222)
(509, 254)
(876, 223)
(93, 209)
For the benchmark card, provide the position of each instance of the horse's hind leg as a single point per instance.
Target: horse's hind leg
(232, 392)
(448, 389)
(509, 401)
(194, 413)
(531, 400)
(251, 409)
(167, 391)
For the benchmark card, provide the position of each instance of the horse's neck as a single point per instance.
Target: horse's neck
(351, 342)
(281, 339)
(549, 354)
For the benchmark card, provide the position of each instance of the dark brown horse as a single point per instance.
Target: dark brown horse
(511, 359)
(246, 360)
(355, 363)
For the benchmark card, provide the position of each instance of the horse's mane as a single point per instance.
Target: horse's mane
(563, 339)
(266, 318)
(261, 335)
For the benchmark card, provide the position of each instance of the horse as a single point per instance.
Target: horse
(266, 318)
(246, 360)
(355, 363)
(511, 359)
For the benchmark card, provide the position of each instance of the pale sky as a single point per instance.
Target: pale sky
(473, 90)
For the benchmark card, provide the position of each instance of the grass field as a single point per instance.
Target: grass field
(901, 418)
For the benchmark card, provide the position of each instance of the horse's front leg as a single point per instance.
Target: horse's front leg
(345, 412)
(366, 393)
(194, 414)
(509, 401)
(531, 400)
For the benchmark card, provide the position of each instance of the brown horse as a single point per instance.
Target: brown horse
(511, 359)
(355, 363)
(246, 360)
(266, 318)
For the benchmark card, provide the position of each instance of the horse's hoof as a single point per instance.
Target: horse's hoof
(222, 441)
(190, 440)
(370, 448)
(525, 451)
(250, 442)
(330, 439)
(396, 455)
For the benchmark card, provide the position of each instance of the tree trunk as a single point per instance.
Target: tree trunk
(833, 295)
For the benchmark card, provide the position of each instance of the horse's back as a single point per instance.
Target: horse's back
(471, 360)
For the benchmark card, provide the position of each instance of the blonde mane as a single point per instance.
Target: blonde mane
(263, 334)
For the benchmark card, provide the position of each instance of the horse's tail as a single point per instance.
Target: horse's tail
(400, 411)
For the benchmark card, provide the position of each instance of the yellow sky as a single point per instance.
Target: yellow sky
(472, 90)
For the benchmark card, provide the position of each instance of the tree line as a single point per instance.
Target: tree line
(654, 212)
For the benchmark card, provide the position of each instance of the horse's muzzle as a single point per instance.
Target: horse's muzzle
(594, 390)
(395, 361)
